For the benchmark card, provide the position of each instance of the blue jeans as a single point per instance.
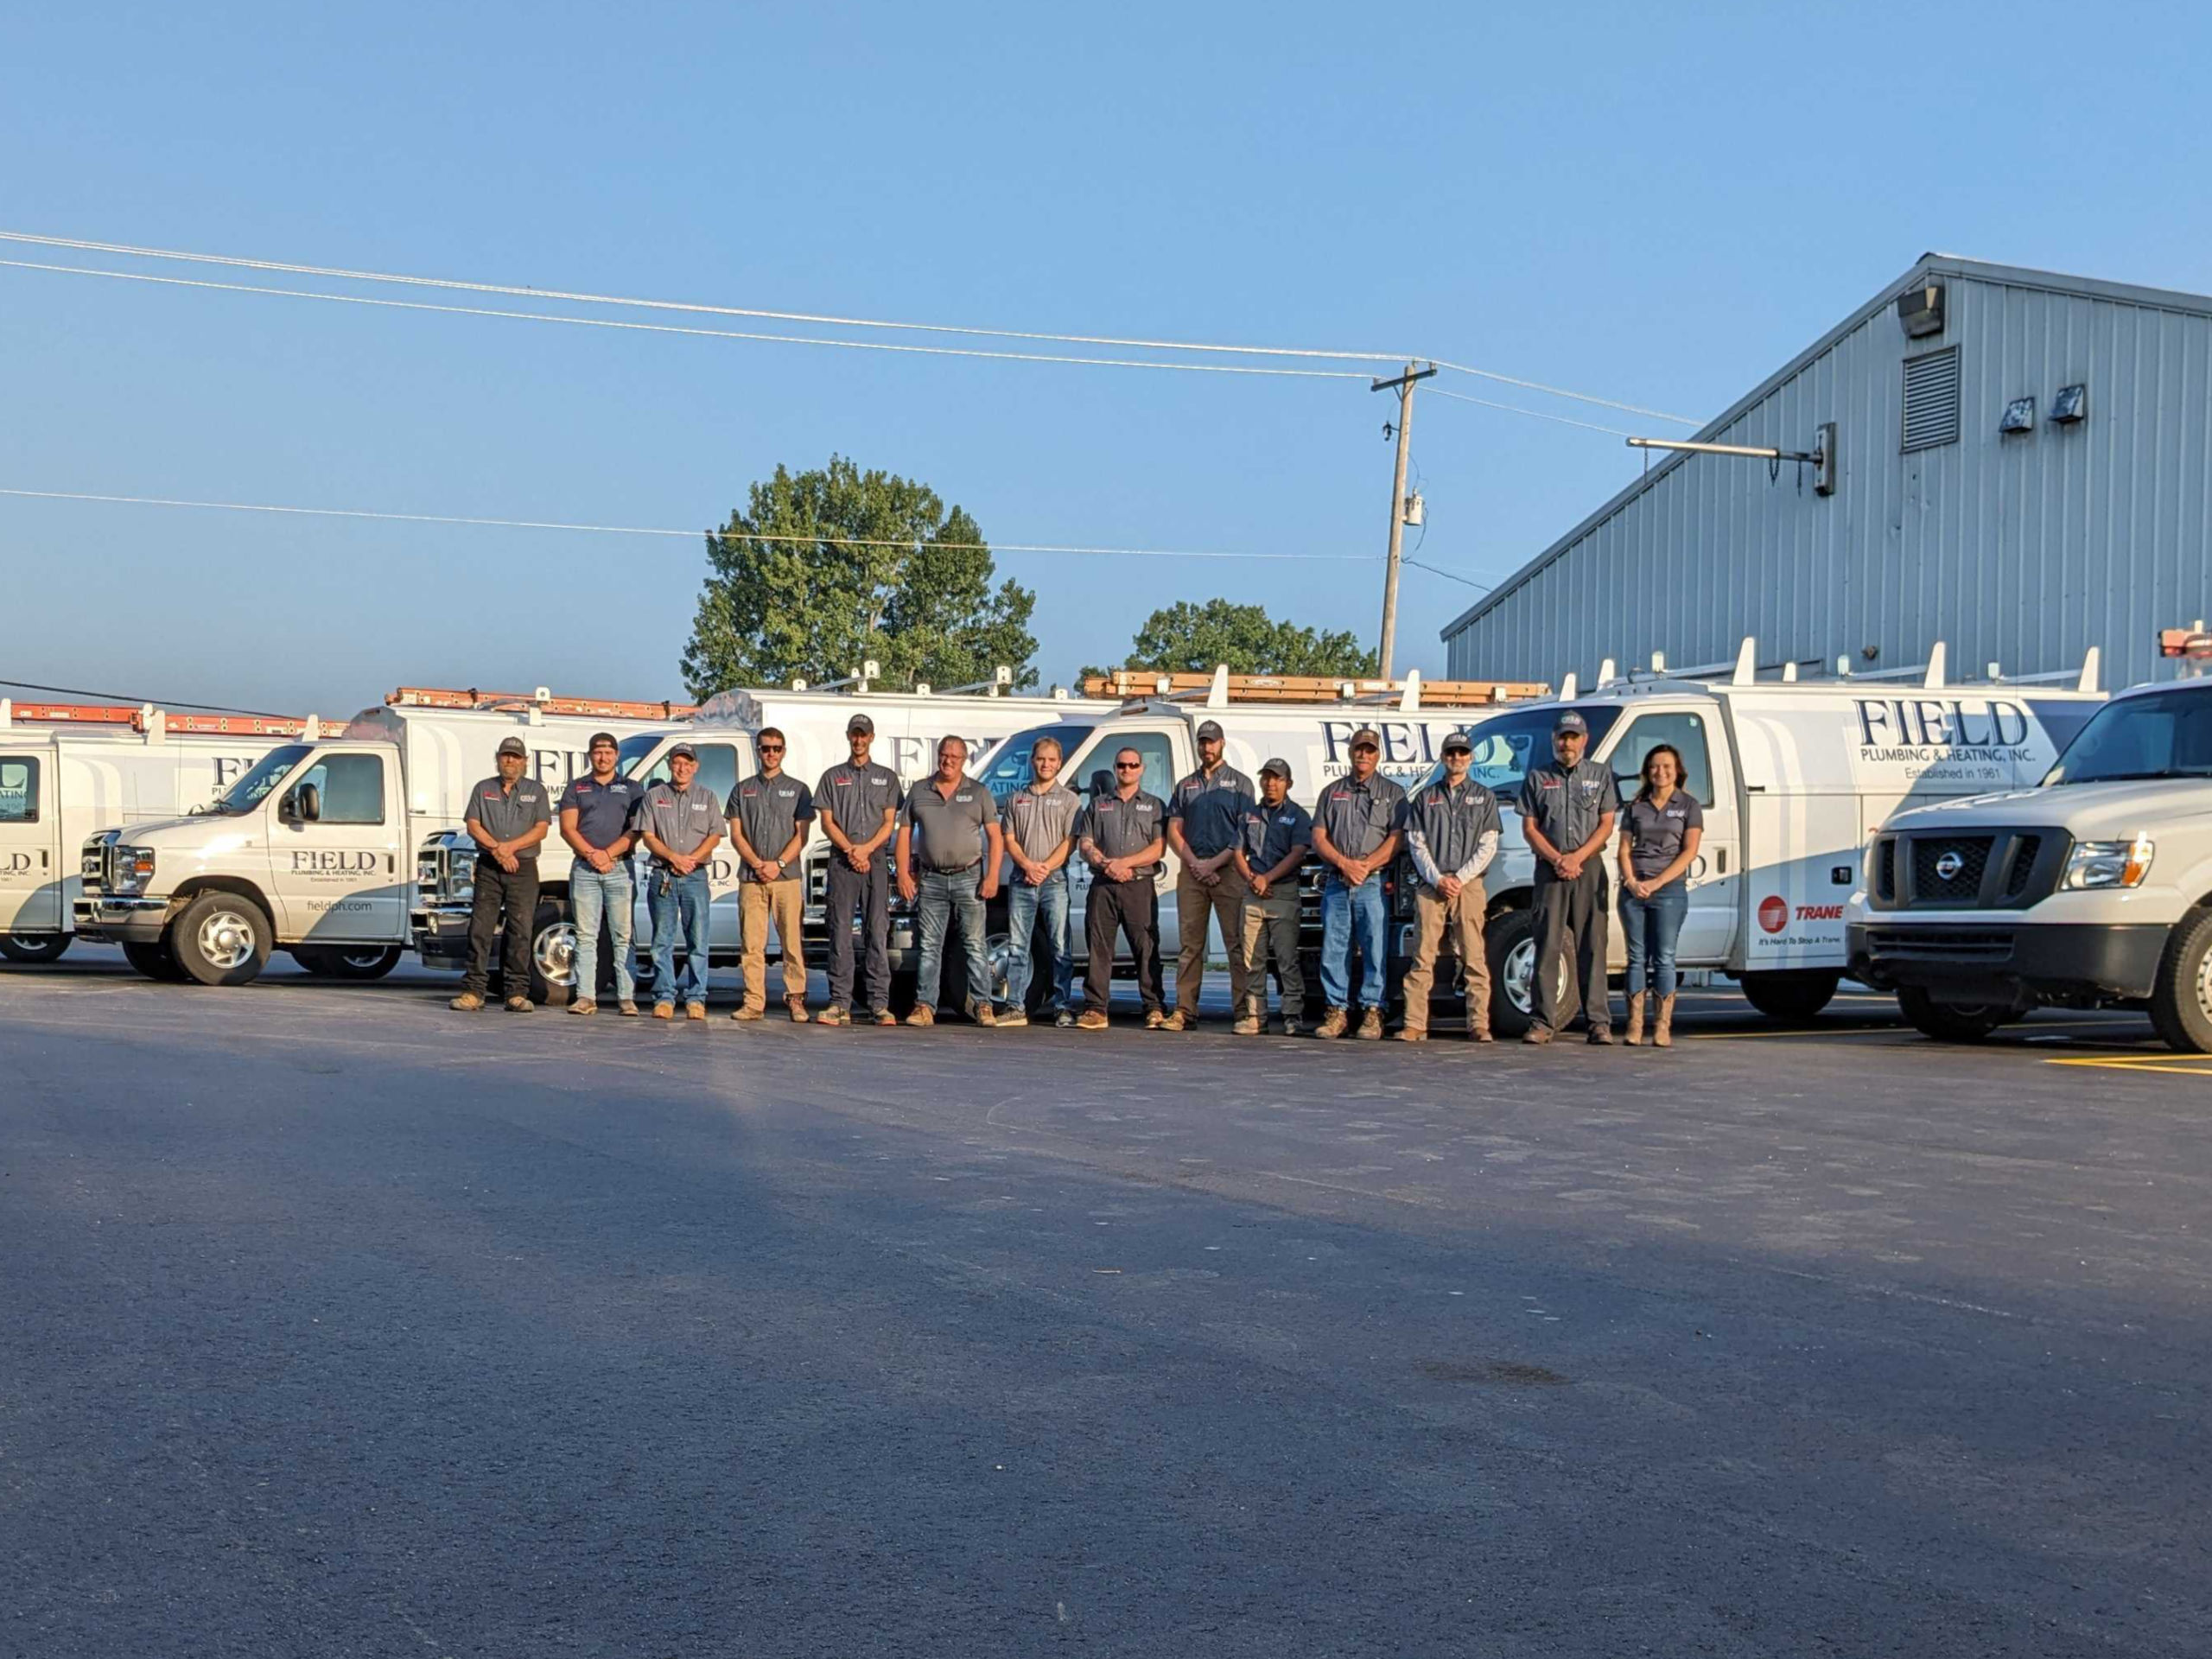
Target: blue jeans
(590, 895)
(682, 909)
(1346, 912)
(1023, 904)
(1650, 927)
(938, 897)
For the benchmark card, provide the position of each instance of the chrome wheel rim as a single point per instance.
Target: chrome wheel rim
(363, 959)
(554, 952)
(1520, 975)
(225, 940)
(2204, 985)
(998, 951)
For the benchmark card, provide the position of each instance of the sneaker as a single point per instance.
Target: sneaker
(1178, 1020)
(694, 1010)
(1246, 1026)
(1537, 1034)
(1412, 1034)
(467, 1003)
(664, 1010)
(797, 1011)
(626, 1008)
(520, 1005)
(832, 1016)
(1291, 1027)
(1333, 1024)
(983, 1014)
(1064, 1020)
(1370, 1025)
(1092, 1020)
(1013, 1017)
(585, 1007)
(1155, 1019)
(922, 1015)
(746, 1013)
(884, 1017)
(1601, 1036)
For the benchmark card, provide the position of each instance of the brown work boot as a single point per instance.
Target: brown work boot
(520, 1005)
(1538, 1035)
(467, 1003)
(798, 1008)
(694, 1010)
(664, 1010)
(585, 1007)
(1333, 1024)
(1412, 1033)
(1662, 1032)
(1601, 1037)
(1154, 1020)
(1478, 1031)
(1179, 1020)
(923, 1015)
(1247, 1024)
(746, 1011)
(626, 1008)
(1370, 1025)
(1633, 1036)
(983, 1013)
(1091, 1020)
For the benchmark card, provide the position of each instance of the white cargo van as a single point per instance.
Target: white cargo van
(68, 769)
(2092, 889)
(1794, 774)
(313, 848)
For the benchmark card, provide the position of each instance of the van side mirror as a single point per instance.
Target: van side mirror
(1101, 784)
(301, 805)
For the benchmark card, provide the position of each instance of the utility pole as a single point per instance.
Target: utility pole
(1404, 384)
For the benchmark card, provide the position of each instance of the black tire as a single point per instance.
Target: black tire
(2184, 983)
(1511, 1009)
(1953, 1022)
(156, 962)
(553, 955)
(221, 939)
(34, 947)
(356, 962)
(903, 987)
(1791, 999)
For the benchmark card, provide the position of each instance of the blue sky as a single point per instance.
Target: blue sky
(1656, 205)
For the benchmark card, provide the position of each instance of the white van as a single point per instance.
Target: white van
(1792, 775)
(67, 769)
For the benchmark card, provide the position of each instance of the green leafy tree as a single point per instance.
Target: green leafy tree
(1184, 637)
(880, 569)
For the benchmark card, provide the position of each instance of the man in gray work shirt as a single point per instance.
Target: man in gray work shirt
(1567, 813)
(1205, 815)
(1040, 836)
(1355, 823)
(1121, 836)
(769, 815)
(857, 803)
(680, 820)
(508, 817)
(1452, 831)
(949, 850)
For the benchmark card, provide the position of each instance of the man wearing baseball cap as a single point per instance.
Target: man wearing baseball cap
(508, 817)
(858, 803)
(1567, 813)
(680, 820)
(1452, 832)
(1356, 824)
(598, 811)
(1205, 817)
(1276, 839)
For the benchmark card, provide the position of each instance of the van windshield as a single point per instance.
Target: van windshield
(2162, 735)
(1007, 768)
(252, 788)
(1507, 745)
(632, 750)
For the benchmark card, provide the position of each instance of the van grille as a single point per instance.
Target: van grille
(2003, 870)
(1964, 857)
(1944, 944)
(2025, 849)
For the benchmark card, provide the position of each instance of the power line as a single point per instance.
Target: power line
(1533, 413)
(158, 702)
(1559, 391)
(648, 530)
(1449, 576)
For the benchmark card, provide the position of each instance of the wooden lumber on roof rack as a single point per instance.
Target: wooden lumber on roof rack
(1308, 688)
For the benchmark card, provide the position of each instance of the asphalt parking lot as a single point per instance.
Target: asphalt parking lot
(340, 1323)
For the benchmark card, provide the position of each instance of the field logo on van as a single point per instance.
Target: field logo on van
(15, 864)
(1965, 728)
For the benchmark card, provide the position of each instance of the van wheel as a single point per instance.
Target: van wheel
(220, 939)
(900, 1000)
(1791, 999)
(552, 954)
(156, 960)
(1510, 941)
(33, 947)
(360, 962)
(1953, 1022)
(2181, 1001)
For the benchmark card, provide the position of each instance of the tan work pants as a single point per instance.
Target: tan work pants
(1433, 914)
(783, 902)
(1196, 904)
(1271, 929)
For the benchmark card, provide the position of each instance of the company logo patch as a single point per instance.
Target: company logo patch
(1774, 913)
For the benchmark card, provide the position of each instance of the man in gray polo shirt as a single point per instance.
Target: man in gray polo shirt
(1356, 832)
(857, 803)
(1567, 813)
(1452, 832)
(680, 820)
(1121, 835)
(1040, 836)
(949, 850)
(769, 815)
(508, 817)
(1205, 817)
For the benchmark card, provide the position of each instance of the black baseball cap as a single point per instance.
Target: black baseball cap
(1458, 743)
(684, 752)
(1208, 730)
(1569, 720)
(1368, 735)
(1279, 766)
(858, 724)
(514, 746)
(598, 738)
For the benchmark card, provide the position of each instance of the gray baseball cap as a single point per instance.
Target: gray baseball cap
(684, 752)
(1569, 720)
(1459, 742)
(1278, 765)
(858, 724)
(514, 746)
(1209, 731)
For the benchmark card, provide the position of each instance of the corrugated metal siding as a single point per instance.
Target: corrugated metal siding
(2020, 551)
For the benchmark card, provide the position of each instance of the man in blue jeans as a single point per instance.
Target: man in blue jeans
(597, 815)
(680, 820)
(949, 850)
(1039, 835)
(1356, 827)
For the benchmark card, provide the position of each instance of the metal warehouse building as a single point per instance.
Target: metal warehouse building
(2022, 468)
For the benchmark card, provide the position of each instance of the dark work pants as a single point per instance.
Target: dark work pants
(517, 895)
(1133, 907)
(1571, 915)
(869, 892)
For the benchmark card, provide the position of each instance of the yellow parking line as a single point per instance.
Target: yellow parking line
(2173, 1064)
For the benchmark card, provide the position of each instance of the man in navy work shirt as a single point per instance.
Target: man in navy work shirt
(680, 820)
(1121, 834)
(1452, 832)
(769, 815)
(1277, 839)
(950, 845)
(1567, 813)
(1356, 833)
(508, 817)
(858, 803)
(596, 815)
(1204, 816)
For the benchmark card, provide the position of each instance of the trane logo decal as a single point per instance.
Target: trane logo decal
(1904, 728)
(1775, 913)
(306, 862)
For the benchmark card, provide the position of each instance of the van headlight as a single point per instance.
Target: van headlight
(134, 868)
(2108, 863)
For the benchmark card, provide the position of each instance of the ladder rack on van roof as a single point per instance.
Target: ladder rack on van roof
(1220, 688)
(542, 700)
(147, 720)
(1744, 670)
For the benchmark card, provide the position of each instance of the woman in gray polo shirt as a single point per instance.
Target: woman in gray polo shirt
(1660, 830)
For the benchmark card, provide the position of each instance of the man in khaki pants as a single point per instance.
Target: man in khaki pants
(1205, 815)
(1452, 832)
(1277, 839)
(769, 816)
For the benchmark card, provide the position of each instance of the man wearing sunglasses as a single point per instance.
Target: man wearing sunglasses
(769, 816)
(1356, 827)
(1123, 833)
